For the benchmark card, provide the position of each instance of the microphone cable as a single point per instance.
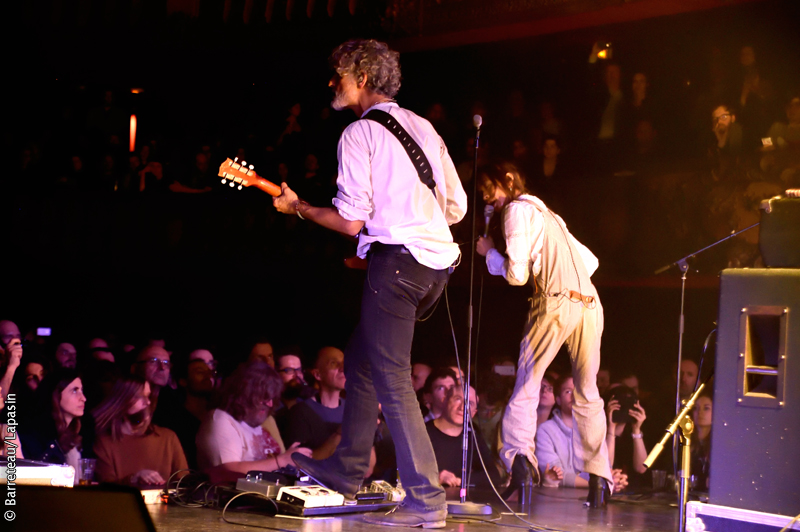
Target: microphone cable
(528, 525)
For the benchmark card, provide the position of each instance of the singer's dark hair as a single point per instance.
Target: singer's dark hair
(438, 373)
(497, 173)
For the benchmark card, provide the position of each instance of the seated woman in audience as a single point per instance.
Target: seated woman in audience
(555, 447)
(701, 441)
(129, 448)
(231, 441)
(55, 436)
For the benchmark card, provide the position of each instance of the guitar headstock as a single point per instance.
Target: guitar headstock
(238, 173)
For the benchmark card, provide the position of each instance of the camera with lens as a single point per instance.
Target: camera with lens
(627, 399)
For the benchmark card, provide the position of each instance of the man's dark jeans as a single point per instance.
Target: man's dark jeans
(397, 291)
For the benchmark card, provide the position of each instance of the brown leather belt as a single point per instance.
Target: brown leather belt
(588, 301)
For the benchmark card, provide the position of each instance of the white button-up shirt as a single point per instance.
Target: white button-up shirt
(379, 185)
(523, 226)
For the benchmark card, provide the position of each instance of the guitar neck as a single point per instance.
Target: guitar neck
(267, 186)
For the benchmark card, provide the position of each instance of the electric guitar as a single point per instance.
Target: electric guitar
(240, 175)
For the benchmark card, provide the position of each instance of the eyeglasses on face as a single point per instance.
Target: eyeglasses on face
(212, 364)
(720, 117)
(166, 364)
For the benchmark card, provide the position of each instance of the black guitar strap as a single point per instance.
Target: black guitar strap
(413, 150)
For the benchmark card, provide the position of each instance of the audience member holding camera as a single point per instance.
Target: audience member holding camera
(624, 438)
(10, 354)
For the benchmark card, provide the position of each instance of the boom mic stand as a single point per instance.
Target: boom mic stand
(463, 507)
(683, 265)
(683, 421)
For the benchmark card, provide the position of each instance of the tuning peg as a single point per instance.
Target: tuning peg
(244, 163)
(240, 187)
(235, 159)
(251, 167)
(223, 180)
(231, 184)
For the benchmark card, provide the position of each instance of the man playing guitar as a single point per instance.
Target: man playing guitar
(402, 206)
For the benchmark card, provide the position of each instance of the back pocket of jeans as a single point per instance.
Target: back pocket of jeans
(405, 297)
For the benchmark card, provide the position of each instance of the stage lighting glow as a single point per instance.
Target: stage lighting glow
(133, 133)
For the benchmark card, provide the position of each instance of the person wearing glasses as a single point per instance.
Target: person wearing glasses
(289, 365)
(725, 153)
(154, 364)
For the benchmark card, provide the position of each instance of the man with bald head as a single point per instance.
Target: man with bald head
(153, 364)
(316, 423)
(10, 354)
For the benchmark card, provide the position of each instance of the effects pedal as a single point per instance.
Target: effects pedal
(264, 482)
(310, 496)
(392, 494)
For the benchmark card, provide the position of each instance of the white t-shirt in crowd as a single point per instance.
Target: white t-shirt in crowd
(222, 439)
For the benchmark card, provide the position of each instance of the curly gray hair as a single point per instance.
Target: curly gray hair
(370, 57)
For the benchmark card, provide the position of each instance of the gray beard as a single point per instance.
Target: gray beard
(337, 103)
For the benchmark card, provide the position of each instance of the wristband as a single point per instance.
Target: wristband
(297, 208)
(636, 436)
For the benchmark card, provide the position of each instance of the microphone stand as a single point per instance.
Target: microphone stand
(683, 265)
(683, 421)
(463, 507)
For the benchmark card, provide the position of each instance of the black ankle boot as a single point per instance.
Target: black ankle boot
(599, 492)
(524, 477)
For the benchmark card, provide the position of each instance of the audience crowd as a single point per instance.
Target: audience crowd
(155, 412)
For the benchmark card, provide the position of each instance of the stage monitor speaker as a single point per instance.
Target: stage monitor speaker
(81, 509)
(756, 415)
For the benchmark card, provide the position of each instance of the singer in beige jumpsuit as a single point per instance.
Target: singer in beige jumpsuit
(565, 308)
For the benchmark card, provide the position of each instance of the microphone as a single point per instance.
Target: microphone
(477, 121)
(488, 211)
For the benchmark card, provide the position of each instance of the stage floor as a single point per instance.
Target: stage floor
(556, 509)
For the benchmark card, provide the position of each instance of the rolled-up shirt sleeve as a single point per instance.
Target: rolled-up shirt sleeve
(456, 206)
(354, 198)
